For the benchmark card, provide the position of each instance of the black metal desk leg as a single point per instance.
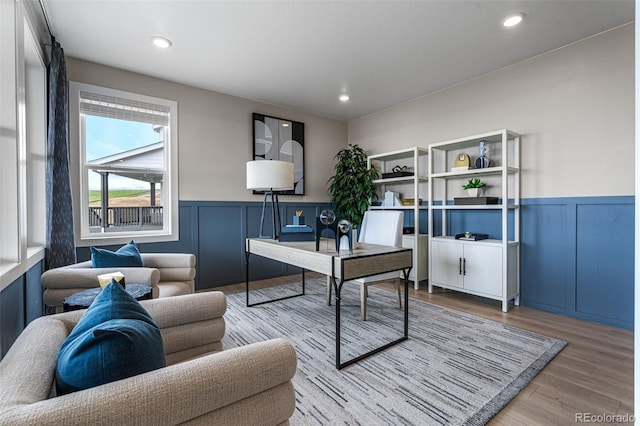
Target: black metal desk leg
(337, 289)
(405, 272)
(247, 253)
(246, 274)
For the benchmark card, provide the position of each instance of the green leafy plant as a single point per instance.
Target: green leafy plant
(352, 186)
(474, 183)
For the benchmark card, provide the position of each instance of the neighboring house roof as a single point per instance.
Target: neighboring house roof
(148, 157)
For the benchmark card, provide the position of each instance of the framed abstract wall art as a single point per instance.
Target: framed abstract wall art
(280, 139)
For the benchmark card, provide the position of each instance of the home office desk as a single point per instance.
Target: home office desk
(366, 260)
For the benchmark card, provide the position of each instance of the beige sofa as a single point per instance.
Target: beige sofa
(202, 383)
(168, 274)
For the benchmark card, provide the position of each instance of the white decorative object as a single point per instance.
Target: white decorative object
(391, 199)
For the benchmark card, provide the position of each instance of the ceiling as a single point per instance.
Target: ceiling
(303, 54)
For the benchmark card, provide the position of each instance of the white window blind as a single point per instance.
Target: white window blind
(123, 109)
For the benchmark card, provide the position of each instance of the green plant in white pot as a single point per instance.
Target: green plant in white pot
(473, 186)
(352, 187)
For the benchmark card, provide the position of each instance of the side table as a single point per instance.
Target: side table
(83, 299)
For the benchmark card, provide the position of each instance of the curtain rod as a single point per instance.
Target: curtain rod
(46, 19)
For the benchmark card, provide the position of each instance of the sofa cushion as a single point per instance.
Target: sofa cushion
(127, 255)
(115, 338)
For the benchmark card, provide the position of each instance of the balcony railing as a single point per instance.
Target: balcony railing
(126, 216)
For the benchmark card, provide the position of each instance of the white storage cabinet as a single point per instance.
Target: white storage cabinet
(490, 267)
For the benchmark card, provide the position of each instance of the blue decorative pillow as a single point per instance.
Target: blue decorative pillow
(127, 255)
(115, 338)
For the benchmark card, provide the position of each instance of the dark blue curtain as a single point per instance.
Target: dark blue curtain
(61, 248)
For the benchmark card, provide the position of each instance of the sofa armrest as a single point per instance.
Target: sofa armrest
(190, 391)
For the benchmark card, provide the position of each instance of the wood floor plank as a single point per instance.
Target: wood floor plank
(592, 374)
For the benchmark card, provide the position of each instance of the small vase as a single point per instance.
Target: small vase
(473, 192)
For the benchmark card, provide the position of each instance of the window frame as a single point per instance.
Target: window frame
(22, 213)
(79, 169)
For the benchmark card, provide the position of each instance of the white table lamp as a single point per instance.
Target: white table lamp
(270, 176)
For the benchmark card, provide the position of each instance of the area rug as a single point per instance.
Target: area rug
(455, 369)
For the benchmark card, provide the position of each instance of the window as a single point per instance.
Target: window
(23, 120)
(127, 166)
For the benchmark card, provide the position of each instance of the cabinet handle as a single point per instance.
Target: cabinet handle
(459, 266)
(464, 266)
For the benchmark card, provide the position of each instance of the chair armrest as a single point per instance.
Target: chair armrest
(172, 311)
(186, 309)
(180, 393)
(64, 277)
(168, 260)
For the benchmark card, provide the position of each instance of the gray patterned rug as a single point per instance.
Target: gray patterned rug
(455, 369)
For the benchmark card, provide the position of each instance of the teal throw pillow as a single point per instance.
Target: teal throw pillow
(127, 255)
(116, 338)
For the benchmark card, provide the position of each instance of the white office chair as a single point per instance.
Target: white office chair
(383, 227)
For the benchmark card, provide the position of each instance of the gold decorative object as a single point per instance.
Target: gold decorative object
(462, 160)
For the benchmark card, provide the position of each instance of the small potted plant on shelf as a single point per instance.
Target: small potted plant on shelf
(473, 186)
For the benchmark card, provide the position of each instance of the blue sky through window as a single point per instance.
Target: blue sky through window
(109, 136)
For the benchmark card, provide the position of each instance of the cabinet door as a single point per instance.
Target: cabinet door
(483, 269)
(446, 258)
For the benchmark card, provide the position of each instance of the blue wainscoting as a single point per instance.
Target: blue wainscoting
(20, 303)
(577, 253)
(215, 232)
(577, 257)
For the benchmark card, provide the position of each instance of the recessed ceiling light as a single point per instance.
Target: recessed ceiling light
(513, 20)
(285, 124)
(161, 42)
(344, 97)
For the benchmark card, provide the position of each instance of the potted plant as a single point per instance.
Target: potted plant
(352, 186)
(473, 186)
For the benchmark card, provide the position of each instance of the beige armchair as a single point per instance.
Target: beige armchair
(202, 384)
(168, 274)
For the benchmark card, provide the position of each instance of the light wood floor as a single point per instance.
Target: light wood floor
(592, 374)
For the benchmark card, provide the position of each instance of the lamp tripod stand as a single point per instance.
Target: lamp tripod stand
(275, 214)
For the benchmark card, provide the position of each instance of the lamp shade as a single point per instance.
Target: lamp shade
(269, 174)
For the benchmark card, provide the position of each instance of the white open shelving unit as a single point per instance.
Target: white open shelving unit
(490, 267)
(415, 187)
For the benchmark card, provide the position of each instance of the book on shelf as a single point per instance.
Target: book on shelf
(296, 229)
(471, 237)
(296, 233)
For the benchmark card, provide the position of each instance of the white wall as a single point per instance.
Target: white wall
(215, 135)
(573, 106)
